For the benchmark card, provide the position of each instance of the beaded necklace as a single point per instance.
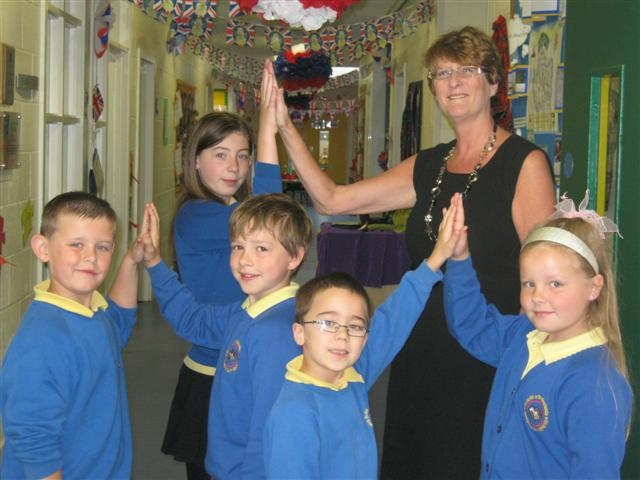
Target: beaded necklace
(471, 179)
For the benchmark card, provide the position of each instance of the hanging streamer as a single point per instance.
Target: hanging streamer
(103, 20)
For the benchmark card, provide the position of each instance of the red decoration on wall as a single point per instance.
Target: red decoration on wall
(2, 240)
(500, 103)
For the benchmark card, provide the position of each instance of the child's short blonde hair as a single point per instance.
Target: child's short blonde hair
(276, 213)
(77, 204)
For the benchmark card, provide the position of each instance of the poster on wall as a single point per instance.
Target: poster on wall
(544, 60)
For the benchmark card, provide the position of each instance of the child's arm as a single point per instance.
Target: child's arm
(480, 328)
(291, 445)
(595, 404)
(267, 149)
(267, 178)
(124, 290)
(200, 324)
(395, 318)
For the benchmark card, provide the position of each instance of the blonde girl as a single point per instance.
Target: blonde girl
(560, 403)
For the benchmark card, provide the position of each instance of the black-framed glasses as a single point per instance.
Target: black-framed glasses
(464, 71)
(353, 330)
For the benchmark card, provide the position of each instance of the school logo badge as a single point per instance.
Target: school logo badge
(536, 412)
(232, 356)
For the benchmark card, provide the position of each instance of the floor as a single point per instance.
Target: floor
(152, 361)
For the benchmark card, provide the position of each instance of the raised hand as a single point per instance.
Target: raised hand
(267, 151)
(137, 248)
(452, 235)
(151, 235)
(124, 290)
(268, 94)
(461, 247)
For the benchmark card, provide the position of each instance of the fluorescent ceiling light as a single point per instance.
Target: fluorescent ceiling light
(337, 71)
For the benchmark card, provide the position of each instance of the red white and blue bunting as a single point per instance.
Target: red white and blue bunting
(343, 43)
(192, 24)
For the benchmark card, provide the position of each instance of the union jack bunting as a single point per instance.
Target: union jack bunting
(102, 23)
(201, 7)
(97, 103)
(184, 8)
(235, 9)
(382, 26)
(340, 37)
(241, 34)
(317, 41)
(277, 38)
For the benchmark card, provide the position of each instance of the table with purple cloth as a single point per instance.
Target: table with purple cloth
(375, 258)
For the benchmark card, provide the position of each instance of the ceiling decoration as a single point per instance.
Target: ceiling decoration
(308, 14)
(202, 27)
(306, 70)
(234, 40)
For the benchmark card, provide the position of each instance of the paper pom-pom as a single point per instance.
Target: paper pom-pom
(338, 5)
(308, 14)
(307, 70)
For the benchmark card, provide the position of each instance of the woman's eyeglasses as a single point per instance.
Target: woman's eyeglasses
(464, 71)
(330, 326)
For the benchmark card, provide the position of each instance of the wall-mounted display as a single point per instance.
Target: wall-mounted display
(9, 139)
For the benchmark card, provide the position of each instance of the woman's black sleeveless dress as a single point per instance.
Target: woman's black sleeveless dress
(437, 392)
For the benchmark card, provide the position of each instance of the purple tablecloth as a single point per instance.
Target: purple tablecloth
(375, 258)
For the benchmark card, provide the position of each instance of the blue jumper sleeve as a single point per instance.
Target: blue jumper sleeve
(479, 327)
(596, 410)
(292, 443)
(34, 405)
(394, 320)
(124, 319)
(199, 324)
(267, 178)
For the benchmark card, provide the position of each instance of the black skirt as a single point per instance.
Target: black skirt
(186, 435)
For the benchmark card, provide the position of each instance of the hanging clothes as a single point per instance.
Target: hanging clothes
(411, 121)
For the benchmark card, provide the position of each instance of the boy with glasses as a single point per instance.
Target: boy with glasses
(320, 426)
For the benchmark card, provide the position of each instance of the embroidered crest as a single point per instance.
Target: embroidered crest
(232, 356)
(367, 417)
(536, 412)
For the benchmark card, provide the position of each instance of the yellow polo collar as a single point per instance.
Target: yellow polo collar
(295, 375)
(42, 294)
(256, 309)
(554, 351)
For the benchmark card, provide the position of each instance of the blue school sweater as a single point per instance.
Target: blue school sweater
(567, 417)
(318, 430)
(256, 343)
(63, 397)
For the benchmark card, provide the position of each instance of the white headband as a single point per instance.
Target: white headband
(563, 237)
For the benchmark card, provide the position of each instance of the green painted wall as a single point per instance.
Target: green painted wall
(603, 35)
